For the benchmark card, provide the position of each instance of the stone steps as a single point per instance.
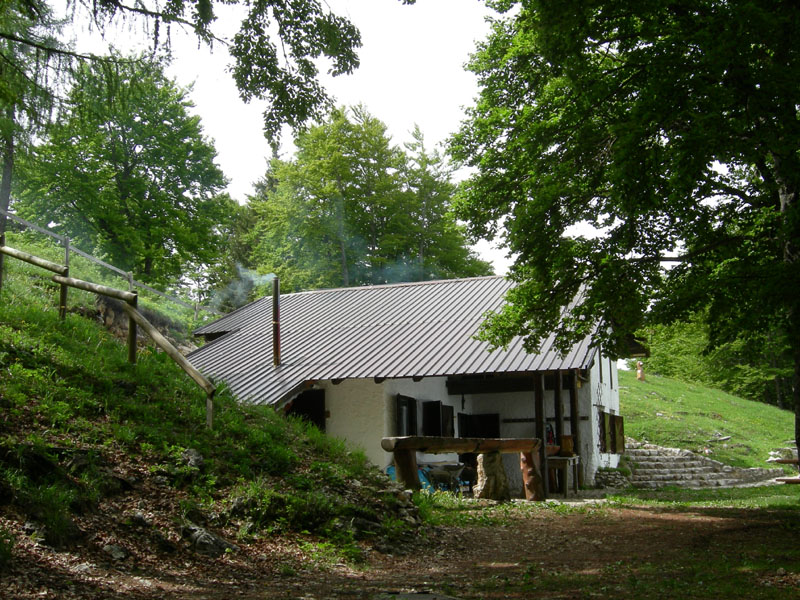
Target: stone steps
(655, 467)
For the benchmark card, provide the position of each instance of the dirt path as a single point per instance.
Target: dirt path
(562, 552)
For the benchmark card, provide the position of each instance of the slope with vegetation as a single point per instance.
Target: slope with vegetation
(110, 483)
(675, 414)
(112, 463)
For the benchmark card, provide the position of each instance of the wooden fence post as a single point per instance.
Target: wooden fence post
(130, 300)
(210, 409)
(131, 323)
(2, 259)
(62, 303)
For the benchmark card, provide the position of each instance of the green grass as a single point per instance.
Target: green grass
(67, 390)
(448, 510)
(774, 497)
(681, 415)
(82, 268)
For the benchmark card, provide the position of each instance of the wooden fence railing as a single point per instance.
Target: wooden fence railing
(68, 248)
(130, 300)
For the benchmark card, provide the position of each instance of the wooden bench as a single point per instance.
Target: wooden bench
(405, 456)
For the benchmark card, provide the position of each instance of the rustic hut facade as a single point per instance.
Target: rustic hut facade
(369, 362)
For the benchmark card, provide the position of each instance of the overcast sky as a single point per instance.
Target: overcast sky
(412, 72)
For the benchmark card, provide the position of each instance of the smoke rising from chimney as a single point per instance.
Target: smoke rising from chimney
(237, 292)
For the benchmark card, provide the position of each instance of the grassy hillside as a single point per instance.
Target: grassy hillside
(100, 453)
(682, 415)
(82, 268)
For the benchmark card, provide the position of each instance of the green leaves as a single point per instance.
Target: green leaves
(652, 124)
(127, 172)
(287, 79)
(352, 209)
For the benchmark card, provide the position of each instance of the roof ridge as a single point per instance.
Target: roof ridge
(394, 285)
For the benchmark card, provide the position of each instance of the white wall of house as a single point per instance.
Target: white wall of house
(600, 393)
(362, 412)
(429, 388)
(356, 413)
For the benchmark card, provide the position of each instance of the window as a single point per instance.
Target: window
(437, 419)
(480, 426)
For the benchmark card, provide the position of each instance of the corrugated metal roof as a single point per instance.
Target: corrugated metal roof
(421, 329)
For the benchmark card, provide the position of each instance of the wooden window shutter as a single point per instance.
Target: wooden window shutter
(608, 432)
(406, 415)
(619, 434)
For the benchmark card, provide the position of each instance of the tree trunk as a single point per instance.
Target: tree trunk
(5, 183)
(796, 395)
(149, 263)
(788, 194)
(8, 168)
(342, 240)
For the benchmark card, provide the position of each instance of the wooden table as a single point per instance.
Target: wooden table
(561, 465)
(405, 456)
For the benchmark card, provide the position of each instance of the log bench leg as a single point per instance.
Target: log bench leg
(405, 463)
(531, 476)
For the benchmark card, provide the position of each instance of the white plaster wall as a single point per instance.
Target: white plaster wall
(429, 388)
(595, 396)
(362, 412)
(357, 414)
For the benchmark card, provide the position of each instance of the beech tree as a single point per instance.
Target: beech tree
(436, 244)
(351, 208)
(127, 171)
(276, 54)
(669, 126)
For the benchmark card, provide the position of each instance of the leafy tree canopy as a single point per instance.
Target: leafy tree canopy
(670, 127)
(756, 366)
(353, 209)
(28, 75)
(127, 171)
(276, 50)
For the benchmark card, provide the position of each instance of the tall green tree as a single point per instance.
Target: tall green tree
(437, 243)
(670, 126)
(127, 171)
(28, 74)
(353, 209)
(339, 201)
(276, 54)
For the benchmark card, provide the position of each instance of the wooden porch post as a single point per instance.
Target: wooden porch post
(559, 408)
(538, 396)
(574, 421)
